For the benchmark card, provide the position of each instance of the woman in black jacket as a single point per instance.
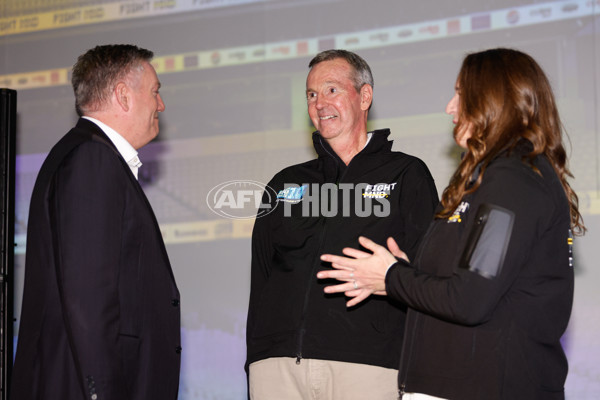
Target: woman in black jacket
(491, 287)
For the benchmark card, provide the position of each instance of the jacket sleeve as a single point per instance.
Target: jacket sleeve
(468, 296)
(86, 206)
(417, 202)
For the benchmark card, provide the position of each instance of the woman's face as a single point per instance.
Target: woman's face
(453, 108)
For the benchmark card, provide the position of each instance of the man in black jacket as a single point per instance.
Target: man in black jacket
(100, 317)
(300, 341)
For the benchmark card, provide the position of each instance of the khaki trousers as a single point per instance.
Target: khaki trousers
(280, 378)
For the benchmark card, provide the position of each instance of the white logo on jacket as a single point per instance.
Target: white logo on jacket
(459, 213)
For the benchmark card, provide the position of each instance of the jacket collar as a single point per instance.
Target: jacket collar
(97, 133)
(520, 149)
(332, 166)
(377, 144)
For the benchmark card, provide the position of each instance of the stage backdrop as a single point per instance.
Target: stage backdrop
(233, 75)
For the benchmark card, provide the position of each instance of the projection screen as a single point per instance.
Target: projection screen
(233, 80)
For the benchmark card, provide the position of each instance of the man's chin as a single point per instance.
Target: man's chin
(329, 133)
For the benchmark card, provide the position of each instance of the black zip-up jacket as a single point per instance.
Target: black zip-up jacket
(480, 332)
(289, 314)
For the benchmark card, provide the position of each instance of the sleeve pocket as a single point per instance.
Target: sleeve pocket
(488, 240)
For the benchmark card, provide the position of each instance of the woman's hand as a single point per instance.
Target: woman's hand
(363, 273)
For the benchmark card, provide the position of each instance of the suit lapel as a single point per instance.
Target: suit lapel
(99, 135)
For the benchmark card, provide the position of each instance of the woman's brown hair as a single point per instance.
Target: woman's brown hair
(504, 97)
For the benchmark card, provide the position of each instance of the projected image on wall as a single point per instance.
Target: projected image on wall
(233, 76)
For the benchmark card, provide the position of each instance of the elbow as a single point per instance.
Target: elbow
(468, 308)
(471, 313)
(471, 319)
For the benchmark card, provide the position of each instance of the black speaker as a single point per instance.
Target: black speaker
(8, 119)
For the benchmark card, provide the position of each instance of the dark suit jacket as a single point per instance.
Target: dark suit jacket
(100, 317)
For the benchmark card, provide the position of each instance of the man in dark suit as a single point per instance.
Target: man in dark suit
(100, 316)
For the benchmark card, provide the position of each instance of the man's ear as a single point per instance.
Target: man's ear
(122, 96)
(366, 96)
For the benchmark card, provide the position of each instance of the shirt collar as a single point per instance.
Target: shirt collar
(369, 136)
(129, 154)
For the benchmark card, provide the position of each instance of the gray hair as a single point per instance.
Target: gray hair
(362, 72)
(98, 70)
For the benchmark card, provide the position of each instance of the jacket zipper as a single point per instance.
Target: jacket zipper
(302, 330)
(406, 353)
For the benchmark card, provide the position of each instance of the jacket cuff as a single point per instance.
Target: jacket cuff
(399, 261)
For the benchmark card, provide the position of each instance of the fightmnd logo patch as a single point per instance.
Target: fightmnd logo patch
(241, 199)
